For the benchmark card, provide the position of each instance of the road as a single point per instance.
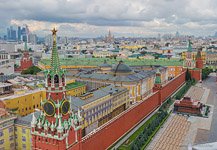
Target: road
(212, 100)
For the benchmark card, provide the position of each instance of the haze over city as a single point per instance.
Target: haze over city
(93, 18)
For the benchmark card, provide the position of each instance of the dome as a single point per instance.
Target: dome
(105, 65)
(121, 67)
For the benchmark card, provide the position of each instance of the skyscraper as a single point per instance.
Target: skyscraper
(11, 34)
(19, 33)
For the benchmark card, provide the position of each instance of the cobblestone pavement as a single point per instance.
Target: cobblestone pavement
(197, 128)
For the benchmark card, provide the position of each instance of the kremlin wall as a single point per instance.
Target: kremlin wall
(59, 128)
(109, 133)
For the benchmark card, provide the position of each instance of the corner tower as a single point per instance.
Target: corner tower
(57, 128)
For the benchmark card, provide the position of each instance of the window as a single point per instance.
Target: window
(10, 129)
(1, 141)
(12, 145)
(24, 146)
(23, 138)
(1, 133)
(11, 138)
(23, 130)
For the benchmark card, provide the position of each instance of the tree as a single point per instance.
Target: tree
(134, 146)
(31, 70)
(187, 75)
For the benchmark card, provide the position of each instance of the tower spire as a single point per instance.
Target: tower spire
(198, 56)
(55, 64)
(189, 46)
(158, 78)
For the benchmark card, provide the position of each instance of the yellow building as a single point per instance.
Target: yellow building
(193, 55)
(25, 102)
(75, 89)
(23, 132)
(101, 105)
(7, 139)
(138, 81)
(174, 71)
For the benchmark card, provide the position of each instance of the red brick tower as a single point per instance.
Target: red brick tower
(158, 85)
(25, 61)
(57, 128)
(199, 61)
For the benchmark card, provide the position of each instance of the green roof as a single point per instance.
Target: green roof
(73, 85)
(130, 62)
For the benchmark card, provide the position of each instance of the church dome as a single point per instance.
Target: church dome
(105, 65)
(121, 67)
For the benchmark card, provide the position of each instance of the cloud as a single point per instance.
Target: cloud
(95, 17)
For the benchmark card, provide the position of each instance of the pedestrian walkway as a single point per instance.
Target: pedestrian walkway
(173, 134)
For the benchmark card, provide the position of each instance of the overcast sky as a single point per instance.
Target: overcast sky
(123, 17)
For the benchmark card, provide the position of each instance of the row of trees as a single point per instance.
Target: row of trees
(205, 72)
(145, 136)
(31, 70)
(184, 89)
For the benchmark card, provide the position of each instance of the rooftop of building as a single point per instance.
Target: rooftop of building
(121, 67)
(105, 64)
(5, 115)
(74, 85)
(4, 84)
(95, 95)
(26, 120)
(130, 62)
(25, 92)
(121, 73)
(187, 101)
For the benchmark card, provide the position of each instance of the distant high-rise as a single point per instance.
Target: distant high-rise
(19, 33)
(32, 38)
(23, 34)
(11, 34)
(177, 34)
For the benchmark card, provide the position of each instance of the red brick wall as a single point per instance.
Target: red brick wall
(196, 74)
(112, 132)
(172, 86)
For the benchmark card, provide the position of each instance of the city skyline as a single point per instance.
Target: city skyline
(94, 18)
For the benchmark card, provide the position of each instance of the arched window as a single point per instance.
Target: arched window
(63, 79)
(56, 79)
(49, 79)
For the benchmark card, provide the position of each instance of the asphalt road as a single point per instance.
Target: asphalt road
(212, 100)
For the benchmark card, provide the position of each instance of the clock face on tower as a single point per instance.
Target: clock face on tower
(65, 107)
(49, 108)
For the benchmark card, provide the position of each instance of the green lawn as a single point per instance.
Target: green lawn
(156, 130)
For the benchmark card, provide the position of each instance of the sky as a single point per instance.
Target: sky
(92, 18)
